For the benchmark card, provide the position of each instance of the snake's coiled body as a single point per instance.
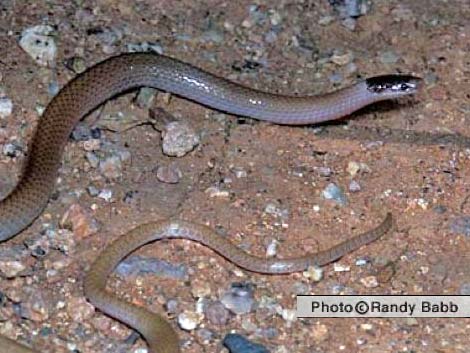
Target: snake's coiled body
(124, 72)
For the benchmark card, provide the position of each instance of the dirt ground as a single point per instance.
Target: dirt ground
(414, 154)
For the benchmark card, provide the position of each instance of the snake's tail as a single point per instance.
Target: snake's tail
(158, 333)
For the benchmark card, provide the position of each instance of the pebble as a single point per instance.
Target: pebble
(53, 88)
(93, 190)
(83, 132)
(12, 150)
(106, 194)
(276, 211)
(189, 320)
(179, 139)
(138, 265)
(92, 145)
(79, 309)
(169, 174)
(341, 268)
(354, 186)
(324, 171)
(145, 46)
(200, 289)
(93, 159)
(342, 59)
(349, 23)
(39, 44)
(6, 107)
(79, 221)
(334, 193)
(11, 269)
(111, 168)
(204, 335)
(271, 249)
(145, 97)
(239, 298)
(315, 273)
(461, 225)
(370, 282)
(356, 167)
(216, 191)
(216, 313)
(76, 64)
(288, 315)
(236, 343)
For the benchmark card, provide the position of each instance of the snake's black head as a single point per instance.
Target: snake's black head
(393, 85)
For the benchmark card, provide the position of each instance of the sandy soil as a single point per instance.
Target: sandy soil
(417, 155)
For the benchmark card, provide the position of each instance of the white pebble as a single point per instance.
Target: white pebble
(6, 107)
(39, 44)
(189, 320)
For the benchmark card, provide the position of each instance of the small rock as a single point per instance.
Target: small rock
(111, 168)
(6, 107)
(216, 191)
(179, 139)
(11, 269)
(53, 88)
(370, 282)
(79, 221)
(315, 273)
(271, 249)
(93, 159)
(169, 174)
(39, 44)
(76, 64)
(92, 145)
(288, 315)
(342, 59)
(12, 150)
(79, 309)
(349, 23)
(200, 289)
(239, 298)
(354, 186)
(155, 47)
(145, 97)
(216, 313)
(341, 268)
(355, 167)
(81, 132)
(93, 190)
(411, 321)
(334, 193)
(106, 195)
(189, 320)
(236, 343)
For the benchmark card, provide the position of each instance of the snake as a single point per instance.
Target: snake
(121, 73)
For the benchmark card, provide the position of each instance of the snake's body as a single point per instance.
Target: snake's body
(124, 72)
